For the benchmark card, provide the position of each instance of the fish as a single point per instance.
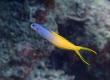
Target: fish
(59, 41)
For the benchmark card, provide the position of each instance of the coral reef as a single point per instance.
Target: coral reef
(17, 44)
(24, 55)
(80, 21)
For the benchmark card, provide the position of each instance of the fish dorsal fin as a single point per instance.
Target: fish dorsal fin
(58, 35)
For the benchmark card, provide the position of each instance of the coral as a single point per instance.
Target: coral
(48, 3)
(26, 52)
(40, 16)
(47, 74)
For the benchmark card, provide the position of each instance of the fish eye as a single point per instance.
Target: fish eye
(32, 25)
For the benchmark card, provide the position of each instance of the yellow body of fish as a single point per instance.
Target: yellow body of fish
(63, 43)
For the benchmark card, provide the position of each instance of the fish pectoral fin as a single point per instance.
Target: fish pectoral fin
(78, 53)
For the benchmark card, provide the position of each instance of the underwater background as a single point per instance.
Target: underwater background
(25, 55)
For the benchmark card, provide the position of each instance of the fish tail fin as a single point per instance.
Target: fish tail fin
(78, 53)
(83, 48)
